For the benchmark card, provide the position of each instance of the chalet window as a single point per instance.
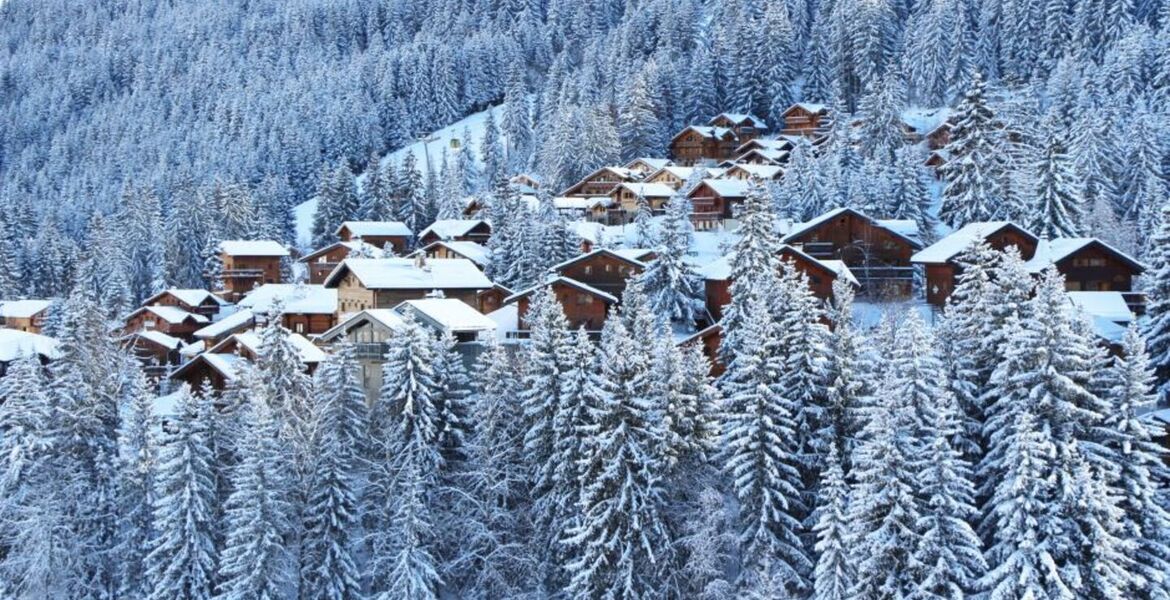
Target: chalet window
(148, 324)
(1088, 262)
(322, 260)
(608, 268)
(588, 269)
(584, 299)
(300, 327)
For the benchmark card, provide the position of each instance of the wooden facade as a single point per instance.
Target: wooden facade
(712, 202)
(492, 299)
(208, 304)
(820, 280)
(695, 145)
(308, 323)
(746, 127)
(805, 119)
(1098, 268)
(602, 269)
(320, 263)
(148, 318)
(398, 242)
(353, 295)
(476, 230)
(583, 306)
(24, 315)
(943, 273)
(601, 182)
(243, 273)
(878, 256)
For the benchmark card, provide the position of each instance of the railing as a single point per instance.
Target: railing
(370, 350)
(1136, 301)
(243, 272)
(883, 273)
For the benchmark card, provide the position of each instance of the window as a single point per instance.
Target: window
(584, 299)
(1088, 262)
(588, 269)
(322, 260)
(608, 268)
(300, 327)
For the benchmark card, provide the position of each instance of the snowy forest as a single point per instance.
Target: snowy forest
(993, 449)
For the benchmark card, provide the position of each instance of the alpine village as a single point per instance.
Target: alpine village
(589, 299)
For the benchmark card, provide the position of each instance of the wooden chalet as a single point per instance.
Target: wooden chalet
(219, 365)
(492, 299)
(644, 166)
(940, 259)
(604, 269)
(320, 263)
(747, 127)
(806, 119)
(596, 209)
(746, 171)
(456, 230)
(16, 344)
(476, 253)
(709, 338)
(304, 309)
(584, 305)
(699, 144)
(170, 320)
(935, 162)
(248, 263)
(365, 283)
(821, 275)
(877, 251)
(676, 177)
(1090, 265)
(715, 200)
(238, 321)
(377, 233)
(158, 352)
(525, 183)
(24, 315)
(625, 197)
(602, 181)
(196, 301)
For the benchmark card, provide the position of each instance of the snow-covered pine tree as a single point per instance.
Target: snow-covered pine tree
(638, 128)
(1140, 471)
(451, 401)
(834, 574)
(410, 194)
(137, 469)
(760, 449)
(1058, 210)
(619, 541)
(11, 284)
(256, 561)
(182, 558)
(517, 122)
(286, 387)
(910, 196)
(491, 152)
(1157, 325)
(672, 287)
(331, 530)
(845, 381)
(972, 191)
(337, 201)
(754, 266)
(643, 223)
(407, 465)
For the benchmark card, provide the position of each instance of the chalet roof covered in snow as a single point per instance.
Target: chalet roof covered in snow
(447, 229)
(925, 120)
(740, 119)
(447, 314)
(684, 173)
(904, 228)
(409, 274)
(1049, 252)
(760, 171)
(720, 269)
(15, 345)
(708, 132)
(252, 341)
(252, 248)
(729, 188)
(297, 298)
(385, 318)
(581, 203)
(649, 190)
(1108, 305)
(190, 297)
(22, 309)
(159, 338)
(375, 228)
(584, 287)
(653, 163)
(625, 255)
(476, 253)
(958, 242)
(350, 246)
(237, 320)
(808, 107)
(171, 314)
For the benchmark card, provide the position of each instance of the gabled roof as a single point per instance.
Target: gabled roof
(238, 320)
(899, 227)
(620, 255)
(297, 298)
(728, 188)
(948, 248)
(350, 246)
(406, 274)
(780, 143)
(621, 173)
(222, 363)
(1108, 305)
(451, 228)
(171, 314)
(581, 202)
(476, 253)
(375, 228)
(813, 108)
(23, 309)
(1050, 252)
(16, 344)
(383, 317)
(772, 155)
(447, 314)
(758, 171)
(720, 269)
(740, 119)
(649, 190)
(158, 338)
(190, 297)
(252, 248)
(653, 163)
(707, 132)
(607, 297)
(252, 341)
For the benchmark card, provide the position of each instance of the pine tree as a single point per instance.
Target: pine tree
(639, 130)
(1157, 325)
(671, 284)
(834, 574)
(137, 469)
(329, 555)
(491, 152)
(973, 190)
(1058, 211)
(256, 562)
(286, 388)
(517, 123)
(337, 201)
(754, 266)
(182, 559)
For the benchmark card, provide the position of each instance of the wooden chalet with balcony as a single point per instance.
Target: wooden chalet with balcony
(605, 269)
(440, 250)
(941, 259)
(249, 263)
(676, 177)
(644, 166)
(625, 199)
(456, 230)
(703, 144)
(601, 182)
(583, 305)
(158, 352)
(746, 171)
(877, 251)
(24, 315)
(379, 234)
(196, 301)
(806, 119)
(821, 275)
(304, 309)
(365, 283)
(170, 320)
(320, 263)
(715, 200)
(220, 364)
(747, 127)
(1091, 265)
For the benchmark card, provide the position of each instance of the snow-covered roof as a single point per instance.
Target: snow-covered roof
(760, 171)
(450, 228)
(841, 269)
(740, 119)
(190, 297)
(171, 314)
(581, 203)
(448, 314)
(774, 156)
(1108, 305)
(653, 163)
(16, 344)
(720, 268)
(707, 131)
(904, 228)
(252, 248)
(193, 349)
(297, 298)
(476, 253)
(641, 255)
(925, 120)
(507, 319)
(406, 274)
(1050, 252)
(650, 190)
(225, 363)
(22, 309)
(252, 341)
(160, 338)
(597, 232)
(352, 246)
(958, 242)
(625, 255)
(733, 188)
(375, 228)
(808, 106)
(385, 317)
(239, 319)
(567, 281)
